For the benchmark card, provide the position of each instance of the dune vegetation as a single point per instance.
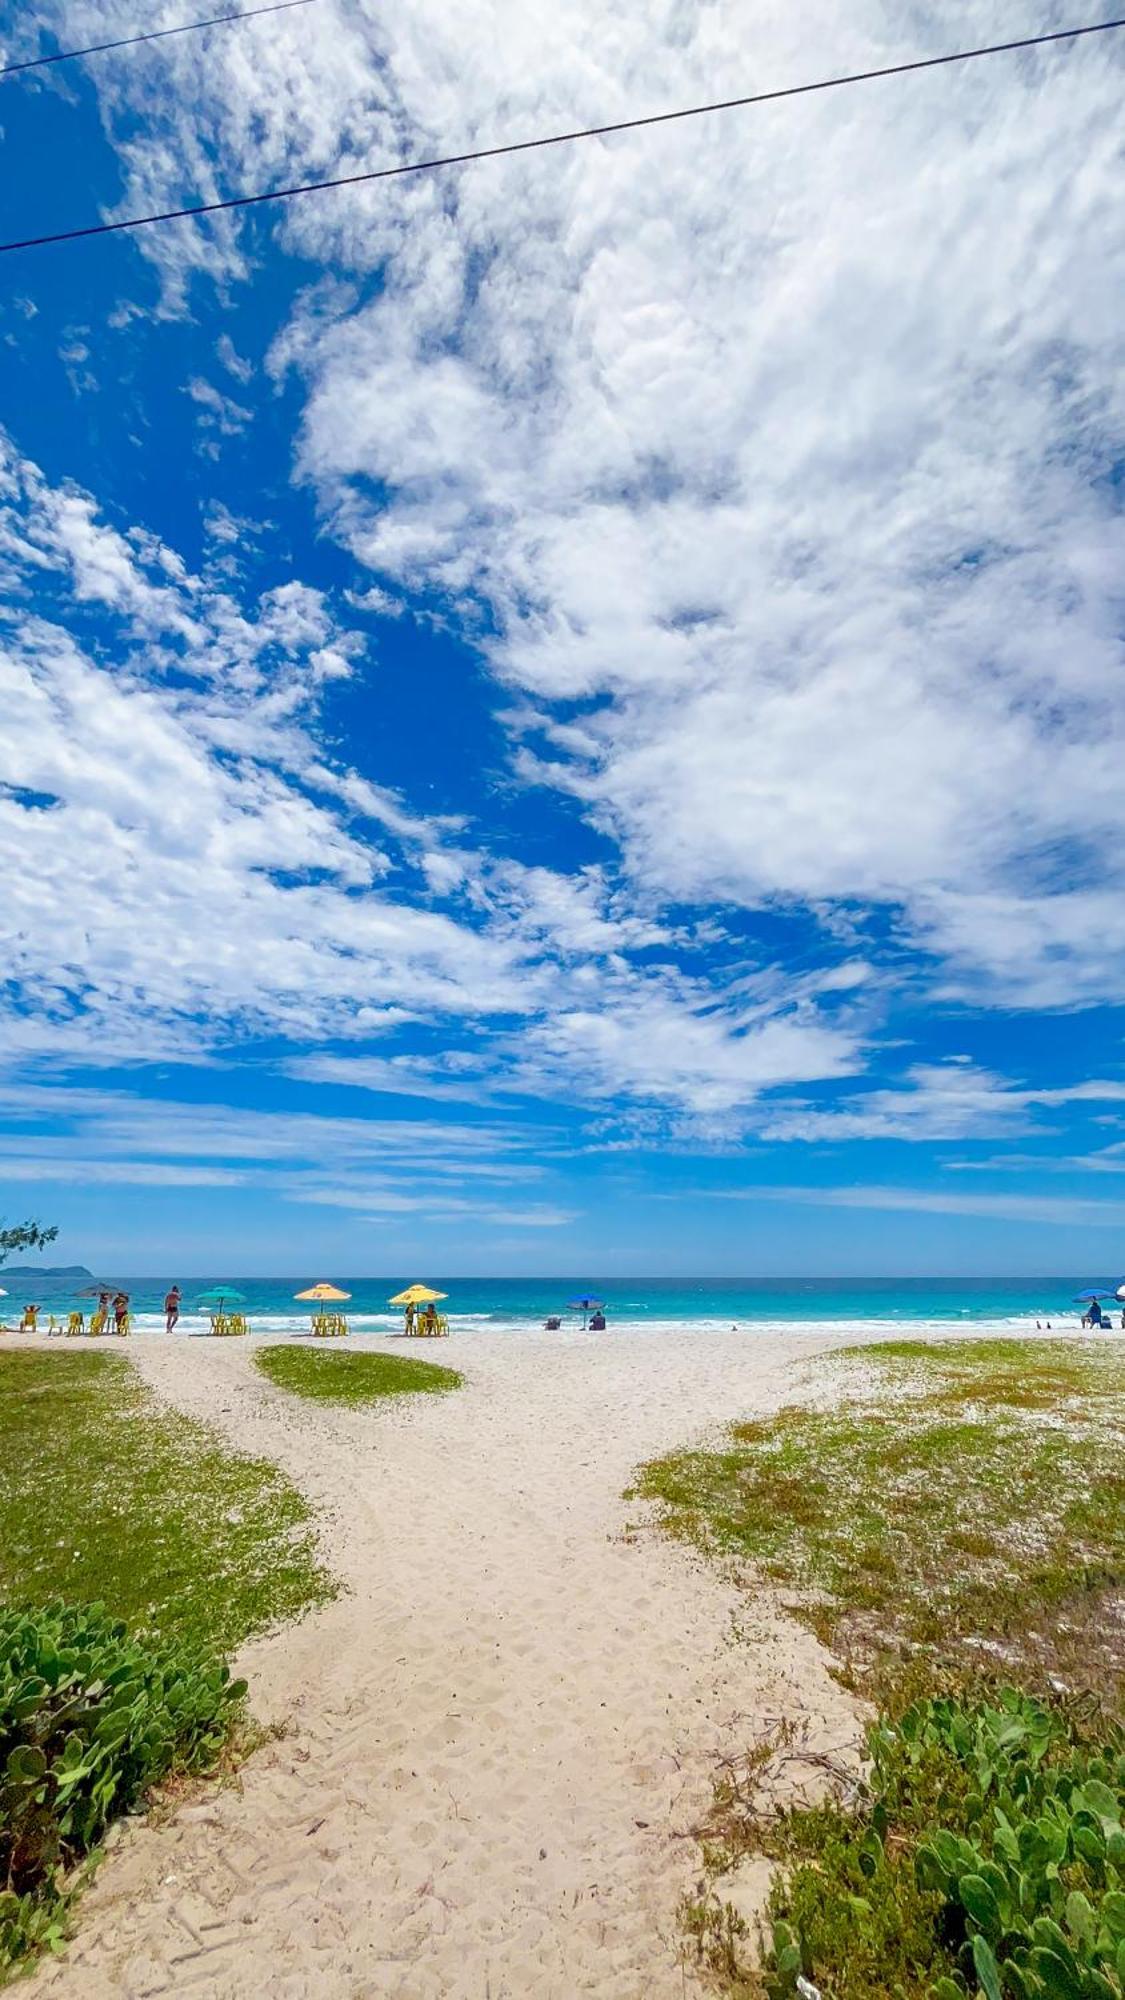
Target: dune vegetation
(136, 1552)
(951, 1521)
(341, 1375)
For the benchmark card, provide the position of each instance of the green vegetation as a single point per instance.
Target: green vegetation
(953, 1525)
(987, 1857)
(90, 1719)
(169, 1551)
(105, 1497)
(967, 1500)
(334, 1377)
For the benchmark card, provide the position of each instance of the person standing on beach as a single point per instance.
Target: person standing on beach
(172, 1309)
(121, 1313)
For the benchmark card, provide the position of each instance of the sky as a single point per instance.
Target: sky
(565, 715)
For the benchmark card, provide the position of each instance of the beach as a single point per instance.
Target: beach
(633, 1305)
(499, 1738)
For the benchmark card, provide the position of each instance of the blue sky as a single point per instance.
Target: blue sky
(566, 716)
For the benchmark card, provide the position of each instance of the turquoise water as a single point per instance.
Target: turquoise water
(632, 1304)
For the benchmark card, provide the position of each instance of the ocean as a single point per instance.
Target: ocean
(632, 1305)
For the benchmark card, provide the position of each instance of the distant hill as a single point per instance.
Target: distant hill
(44, 1271)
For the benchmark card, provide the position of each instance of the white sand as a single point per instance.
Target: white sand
(505, 1729)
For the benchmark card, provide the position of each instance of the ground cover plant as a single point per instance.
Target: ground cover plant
(954, 1527)
(90, 1719)
(965, 1501)
(107, 1497)
(134, 1552)
(330, 1376)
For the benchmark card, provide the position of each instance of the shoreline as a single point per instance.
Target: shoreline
(471, 1326)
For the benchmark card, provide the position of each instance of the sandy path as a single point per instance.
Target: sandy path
(503, 1730)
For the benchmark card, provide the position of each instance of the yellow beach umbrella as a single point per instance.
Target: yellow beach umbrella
(324, 1294)
(416, 1295)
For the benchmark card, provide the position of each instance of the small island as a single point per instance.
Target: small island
(54, 1271)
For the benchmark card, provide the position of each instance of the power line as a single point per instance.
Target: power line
(561, 138)
(152, 35)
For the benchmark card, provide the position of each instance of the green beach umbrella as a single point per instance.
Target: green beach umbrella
(220, 1296)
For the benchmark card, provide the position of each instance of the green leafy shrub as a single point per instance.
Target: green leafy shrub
(990, 1861)
(90, 1719)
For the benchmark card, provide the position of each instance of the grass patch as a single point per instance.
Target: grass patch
(135, 1551)
(965, 1500)
(330, 1376)
(107, 1497)
(955, 1529)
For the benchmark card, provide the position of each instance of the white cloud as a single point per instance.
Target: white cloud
(219, 416)
(785, 434)
(934, 1102)
(668, 1046)
(380, 603)
(397, 1076)
(171, 872)
(187, 867)
(1052, 1210)
(776, 442)
(436, 1206)
(84, 1172)
(232, 360)
(368, 1167)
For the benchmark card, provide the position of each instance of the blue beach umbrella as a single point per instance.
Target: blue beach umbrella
(1085, 1298)
(220, 1296)
(585, 1305)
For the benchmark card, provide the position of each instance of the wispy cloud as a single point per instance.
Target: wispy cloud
(218, 879)
(935, 1101)
(1052, 1210)
(768, 466)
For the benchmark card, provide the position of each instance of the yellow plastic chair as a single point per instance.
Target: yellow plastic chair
(75, 1323)
(329, 1326)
